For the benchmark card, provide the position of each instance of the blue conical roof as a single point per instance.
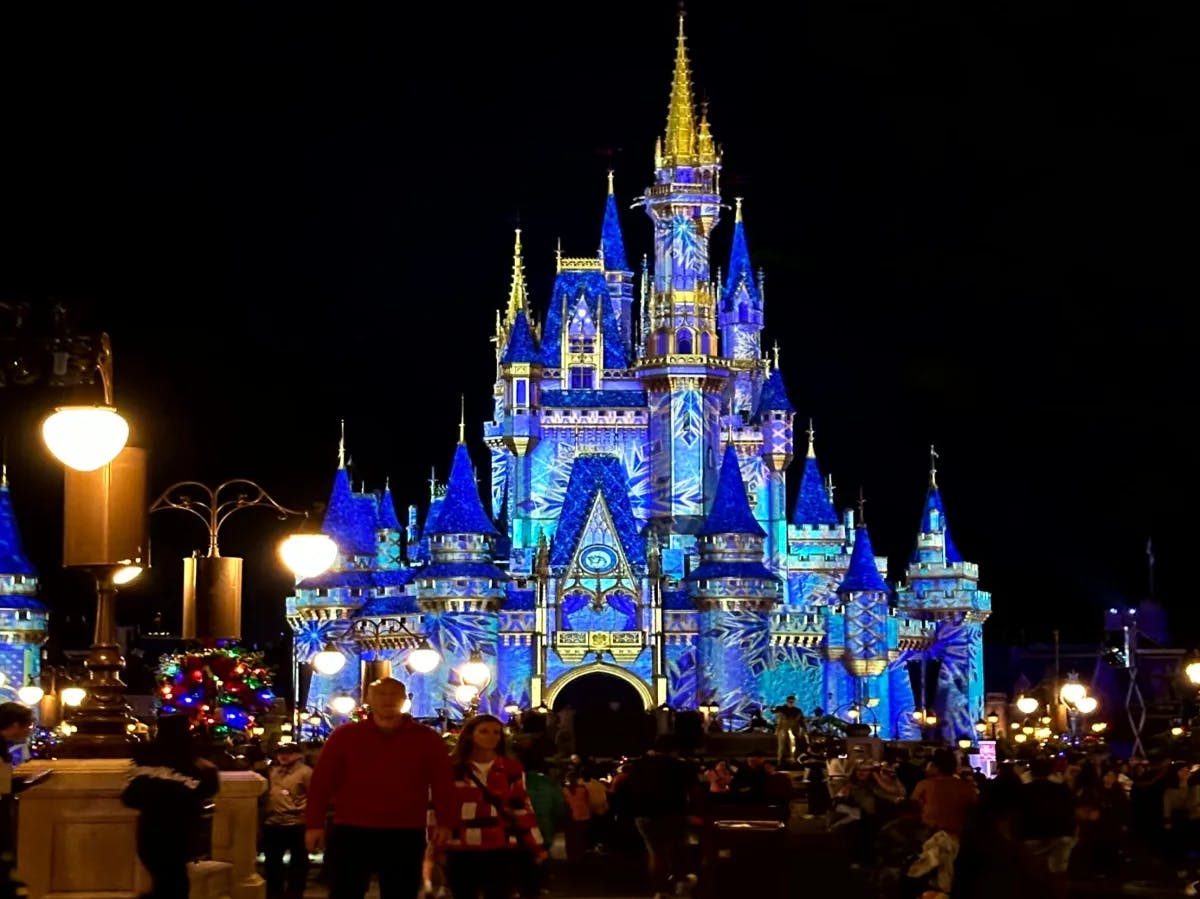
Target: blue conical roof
(612, 244)
(12, 556)
(521, 346)
(862, 575)
(731, 508)
(933, 503)
(462, 510)
(387, 512)
(813, 505)
(349, 522)
(740, 270)
(773, 397)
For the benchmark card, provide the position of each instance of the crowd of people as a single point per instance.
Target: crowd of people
(477, 817)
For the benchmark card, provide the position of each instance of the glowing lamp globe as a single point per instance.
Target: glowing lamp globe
(1087, 705)
(1193, 672)
(1027, 705)
(128, 572)
(424, 658)
(343, 705)
(475, 672)
(465, 693)
(329, 660)
(964, 743)
(85, 437)
(1072, 691)
(30, 694)
(73, 696)
(1020, 738)
(308, 555)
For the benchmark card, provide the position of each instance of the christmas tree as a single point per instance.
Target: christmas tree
(222, 688)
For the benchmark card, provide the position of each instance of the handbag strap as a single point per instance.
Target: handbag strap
(492, 798)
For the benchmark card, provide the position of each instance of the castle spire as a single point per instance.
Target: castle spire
(518, 299)
(680, 144)
(342, 448)
(462, 419)
(741, 271)
(812, 453)
(612, 243)
(731, 512)
(12, 557)
(737, 209)
(814, 502)
(933, 457)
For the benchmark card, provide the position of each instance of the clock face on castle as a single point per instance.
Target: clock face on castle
(597, 559)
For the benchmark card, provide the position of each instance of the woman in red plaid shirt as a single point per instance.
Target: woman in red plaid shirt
(499, 833)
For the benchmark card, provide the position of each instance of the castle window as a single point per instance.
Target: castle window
(683, 342)
(705, 344)
(582, 377)
(743, 313)
(522, 390)
(660, 343)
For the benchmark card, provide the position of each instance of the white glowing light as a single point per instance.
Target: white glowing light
(85, 437)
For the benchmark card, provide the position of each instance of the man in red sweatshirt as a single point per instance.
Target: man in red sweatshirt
(379, 775)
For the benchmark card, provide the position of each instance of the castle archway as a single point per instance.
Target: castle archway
(606, 708)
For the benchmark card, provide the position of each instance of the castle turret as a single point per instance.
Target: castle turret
(616, 269)
(775, 417)
(859, 635)
(740, 316)
(460, 590)
(735, 594)
(521, 371)
(23, 618)
(818, 540)
(388, 530)
(681, 369)
(943, 588)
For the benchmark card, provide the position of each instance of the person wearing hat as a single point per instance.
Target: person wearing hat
(283, 825)
(169, 785)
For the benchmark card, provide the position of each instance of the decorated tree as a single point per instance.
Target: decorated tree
(222, 688)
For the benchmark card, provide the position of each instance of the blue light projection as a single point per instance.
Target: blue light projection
(621, 531)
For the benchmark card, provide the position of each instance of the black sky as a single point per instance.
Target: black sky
(977, 224)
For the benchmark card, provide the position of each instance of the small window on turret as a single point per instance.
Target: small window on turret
(582, 377)
(683, 342)
(521, 391)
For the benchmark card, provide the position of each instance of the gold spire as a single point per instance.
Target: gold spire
(812, 453)
(610, 182)
(862, 509)
(342, 447)
(829, 488)
(933, 457)
(517, 298)
(432, 482)
(737, 209)
(681, 113)
(775, 352)
(4, 474)
(558, 256)
(462, 418)
(706, 150)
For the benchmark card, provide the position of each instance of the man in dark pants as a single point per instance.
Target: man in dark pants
(378, 775)
(283, 825)
(657, 790)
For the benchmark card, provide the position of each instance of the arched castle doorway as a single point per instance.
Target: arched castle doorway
(606, 708)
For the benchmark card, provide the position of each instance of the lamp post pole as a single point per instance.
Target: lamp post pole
(212, 584)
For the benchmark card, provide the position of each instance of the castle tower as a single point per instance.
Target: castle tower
(740, 317)
(616, 269)
(460, 591)
(859, 636)
(521, 372)
(942, 587)
(818, 540)
(735, 594)
(23, 618)
(683, 375)
(388, 531)
(775, 417)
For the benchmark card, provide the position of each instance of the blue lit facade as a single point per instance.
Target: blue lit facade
(23, 618)
(635, 520)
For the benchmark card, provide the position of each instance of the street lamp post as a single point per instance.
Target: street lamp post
(380, 634)
(475, 675)
(212, 584)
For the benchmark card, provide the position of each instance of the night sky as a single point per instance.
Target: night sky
(976, 226)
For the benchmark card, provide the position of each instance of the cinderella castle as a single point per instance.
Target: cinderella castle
(636, 525)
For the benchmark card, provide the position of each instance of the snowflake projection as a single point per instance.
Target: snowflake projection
(454, 635)
(309, 637)
(635, 458)
(734, 654)
(746, 344)
(903, 704)
(499, 479)
(794, 671)
(515, 674)
(687, 436)
(689, 417)
(551, 471)
(683, 682)
(959, 648)
(688, 251)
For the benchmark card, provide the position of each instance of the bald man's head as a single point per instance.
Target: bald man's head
(386, 698)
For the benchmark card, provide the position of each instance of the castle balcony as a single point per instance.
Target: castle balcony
(910, 634)
(492, 430)
(816, 533)
(624, 646)
(922, 570)
(700, 191)
(806, 629)
(814, 561)
(945, 603)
